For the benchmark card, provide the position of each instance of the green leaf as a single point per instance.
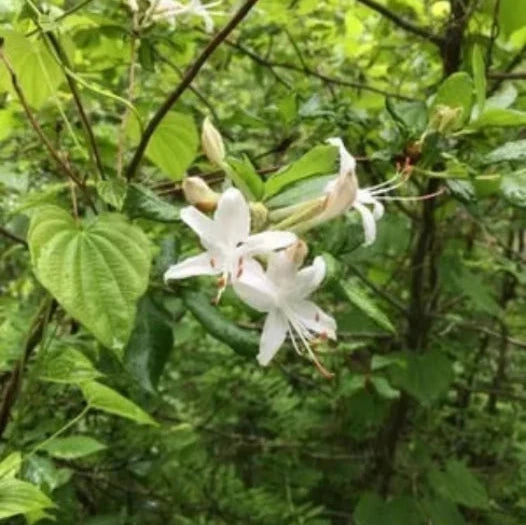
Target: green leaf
(10, 466)
(372, 510)
(41, 471)
(301, 191)
(66, 365)
(320, 160)
(455, 92)
(459, 485)
(383, 388)
(511, 151)
(97, 271)
(241, 341)
(512, 15)
(173, 146)
(426, 377)
(73, 447)
(499, 117)
(150, 344)
(112, 192)
(246, 178)
(359, 298)
(108, 400)
(37, 72)
(479, 76)
(19, 497)
(513, 188)
(442, 512)
(410, 115)
(141, 202)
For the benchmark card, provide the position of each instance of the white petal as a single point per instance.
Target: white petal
(232, 217)
(272, 337)
(347, 162)
(268, 241)
(368, 222)
(198, 265)
(254, 287)
(314, 318)
(200, 223)
(309, 278)
(281, 269)
(378, 210)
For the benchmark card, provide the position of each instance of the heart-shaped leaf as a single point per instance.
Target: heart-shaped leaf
(97, 272)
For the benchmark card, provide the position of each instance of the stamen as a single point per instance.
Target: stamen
(212, 262)
(385, 183)
(317, 317)
(418, 198)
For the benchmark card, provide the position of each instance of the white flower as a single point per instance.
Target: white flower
(346, 193)
(197, 8)
(170, 10)
(133, 5)
(227, 240)
(282, 292)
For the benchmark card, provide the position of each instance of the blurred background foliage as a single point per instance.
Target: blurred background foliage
(424, 420)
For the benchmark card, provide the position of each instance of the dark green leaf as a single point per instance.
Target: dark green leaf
(141, 202)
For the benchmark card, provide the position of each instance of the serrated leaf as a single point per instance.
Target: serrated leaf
(359, 298)
(459, 485)
(19, 497)
(479, 77)
(141, 202)
(241, 341)
(108, 400)
(66, 365)
(511, 151)
(97, 271)
(37, 72)
(321, 160)
(73, 447)
(455, 92)
(10, 465)
(500, 118)
(173, 146)
(150, 344)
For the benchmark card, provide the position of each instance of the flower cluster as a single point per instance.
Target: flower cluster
(235, 254)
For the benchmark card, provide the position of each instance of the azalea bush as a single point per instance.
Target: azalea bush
(262, 262)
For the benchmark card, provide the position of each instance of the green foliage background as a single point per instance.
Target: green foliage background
(125, 401)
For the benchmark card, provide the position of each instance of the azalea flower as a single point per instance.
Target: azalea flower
(227, 240)
(171, 9)
(282, 293)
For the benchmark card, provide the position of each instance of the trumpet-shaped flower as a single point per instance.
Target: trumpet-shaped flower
(227, 240)
(170, 10)
(282, 293)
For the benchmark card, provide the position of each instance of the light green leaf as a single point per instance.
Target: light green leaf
(112, 192)
(359, 298)
(512, 15)
(141, 202)
(66, 365)
(321, 160)
(37, 72)
(246, 178)
(499, 117)
(301, 191)
(19, 497)
(97, 271)
(383, 387)
(455, 92)
(515, 151)
(73, 447)
(513, 188)
(108, 400)
(458, 484)
(503, 98)
(479, 76)
(173, 146)
(10, 466)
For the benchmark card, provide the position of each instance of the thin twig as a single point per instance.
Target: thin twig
(189, 76)
(12, 236)
(403, 23)
(65, 14)
(519, 75)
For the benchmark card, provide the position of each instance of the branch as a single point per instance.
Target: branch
(12, 236)
(404, 24)
(515, 61)
(519, 75)
(189, 76)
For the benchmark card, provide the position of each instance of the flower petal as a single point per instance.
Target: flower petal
(273, 335)
(281, 269)
(378, 210)
(254, 287)
(347, 162)
(268, 241)
(368, 222)
(200, 264)
(232, 217)
(309, 278)
(200, 223)
(314, 318)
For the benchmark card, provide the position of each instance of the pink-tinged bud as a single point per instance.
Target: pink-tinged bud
(297, 252)
(199, 194)
(212, 143)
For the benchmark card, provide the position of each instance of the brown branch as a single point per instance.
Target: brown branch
(189, 76)
(519, 75)
(11, 389)
(15, 238)
(403, 23)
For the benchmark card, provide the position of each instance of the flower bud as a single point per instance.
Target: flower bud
(297, 252)
(212, 143)
(258, 215)
(445, 118)
(198, 193)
